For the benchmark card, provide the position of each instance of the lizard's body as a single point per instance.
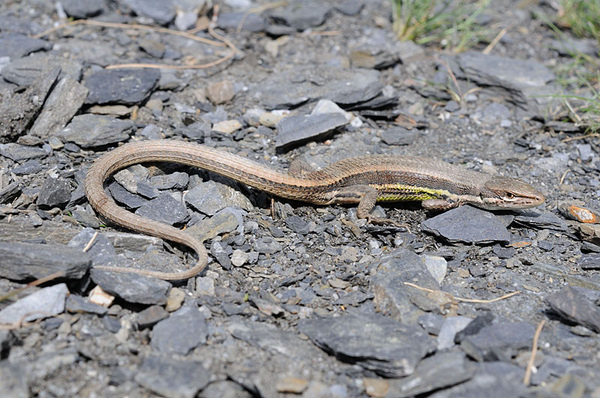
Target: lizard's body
(364, 180)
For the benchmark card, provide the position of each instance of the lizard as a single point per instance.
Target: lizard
(363, 180)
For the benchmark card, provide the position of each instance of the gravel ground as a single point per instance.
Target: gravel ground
(297, 300)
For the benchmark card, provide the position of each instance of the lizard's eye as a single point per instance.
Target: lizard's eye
(510, 195)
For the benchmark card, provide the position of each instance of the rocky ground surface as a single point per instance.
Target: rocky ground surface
(297, 300)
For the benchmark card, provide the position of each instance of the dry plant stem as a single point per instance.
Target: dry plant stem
(498, 37)
(534, 349)
(222, 43)
(90, 243)
(464, 299)
(580, 137)
(129, 26)
(562, 179)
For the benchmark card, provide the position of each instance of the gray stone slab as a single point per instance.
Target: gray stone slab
(44, 303)
(172, 378)
(25, 261)
(468, 224)
(374, 342)
(179, 334)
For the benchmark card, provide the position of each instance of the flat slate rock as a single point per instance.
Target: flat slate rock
(63, 103)
(295, 130)
(392, 296)
(19, 152)
(468, 224)
(373, 341)
(172, 378)
(15, 45)
(55, 192)
(541, 220)
(81, 9)
(89, 131)
(492, 380)
(162, 11)
(231, 21)
(78, 304)
(292, 88)
(164, 209)
(301, 16)
(124, 197)
(25, 261)
(273, 339)
(24, 71)
(577, 305)
(44, 303)
(492, 69)
(121, 86)
(18, 113)
(499, 342)
(434, 373)
(132, 288)
(179, 334)
(102, 250)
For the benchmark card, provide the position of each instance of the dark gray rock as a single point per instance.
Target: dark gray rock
(294, 87)
(54, 192)
(432, 374)
(78, 304)
(475, 326)
(124, 197)
(392, 296)
(231, 21)
(554, 367)
(496, 111)
(589, 261)
(302, 16)
(572, 46)
(146, 190)
(7, 340)
(225, 388)
(227, 220)
(151, 316)
(102, 251)
(133, 288)
(46, 302)
(24, 71)
(513, 75)
(18, 152)
(24, 261)
(267, 245)
(577, 305)
(295, 130)
(179, 334)
(172, 378)
(175, 180)
(60, 107)
(17, 114)
(297, 224)
(450, 328)
(162, 11)
(121, 86)
(14, 45)
(541, 220)
(398, 136)
(13, 384)
(10, 191)
(492, 380)
(350, 7)
(217, 251)
(29, 167)
(89, 131)
(374, 342)
(467, 224)
(499, 342)
(273, 340)
(164, 209)
(82, 9)
(206, 198)
(432, 323)
(18, 24)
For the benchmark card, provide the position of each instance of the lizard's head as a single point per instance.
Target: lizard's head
(508, 193)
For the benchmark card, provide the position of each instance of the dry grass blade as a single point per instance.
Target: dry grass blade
(223, 42)
(465, 300)
(534, 348)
